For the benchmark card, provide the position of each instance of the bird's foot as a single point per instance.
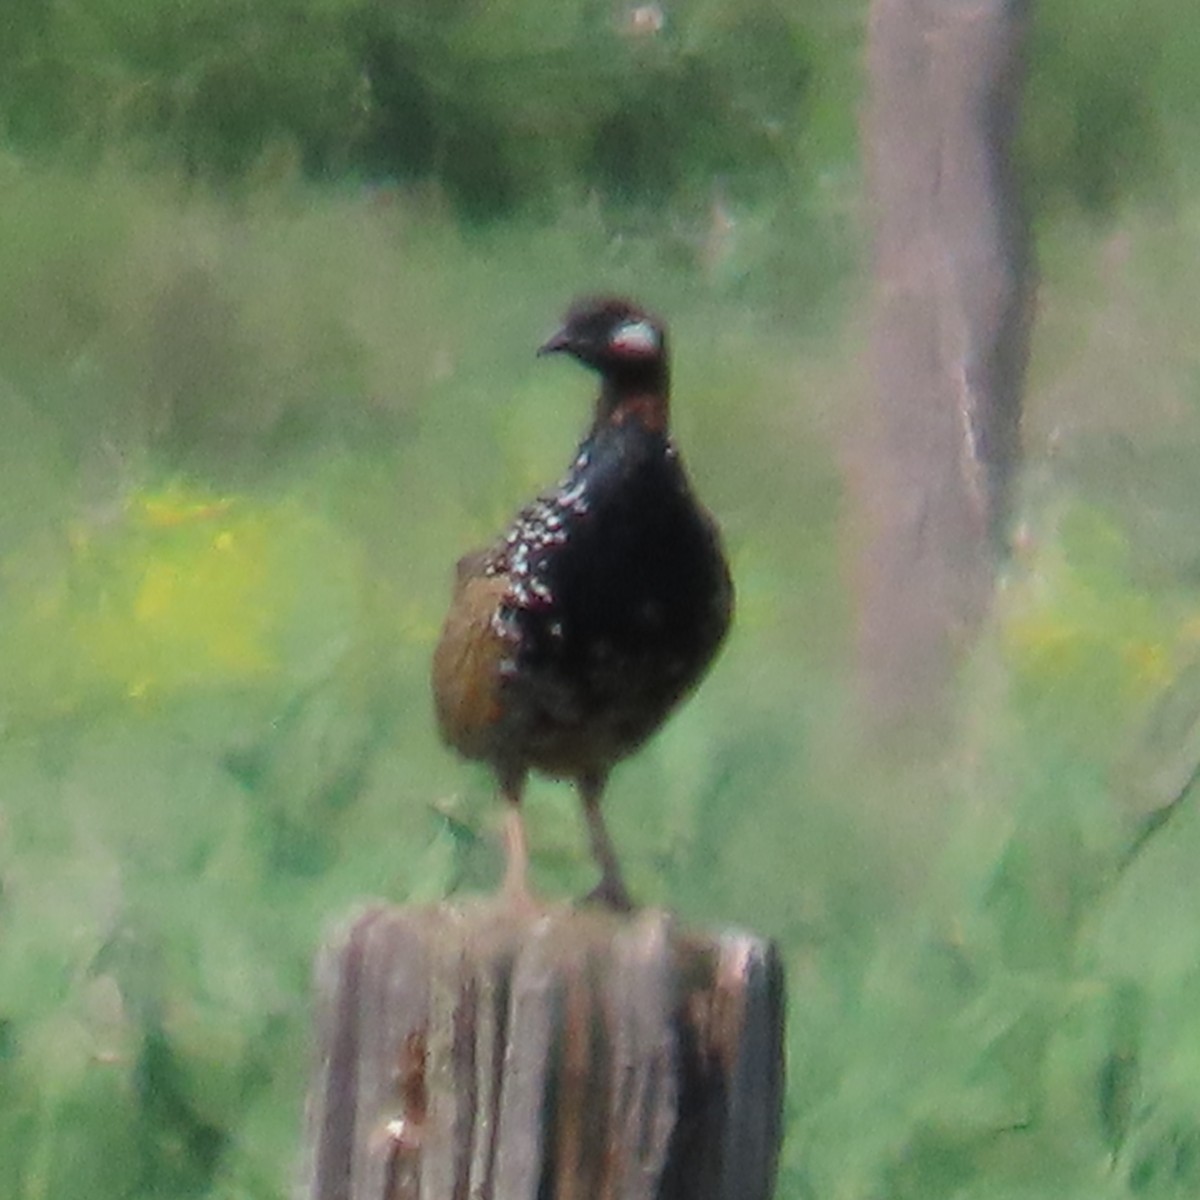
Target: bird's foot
(613, 894)
(518, 897)
(515, 892)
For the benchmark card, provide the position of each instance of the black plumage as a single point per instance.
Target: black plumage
(571, 640)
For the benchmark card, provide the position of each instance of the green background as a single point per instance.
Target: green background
(271, 277)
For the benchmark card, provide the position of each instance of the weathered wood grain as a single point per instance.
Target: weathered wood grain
(476, 1053)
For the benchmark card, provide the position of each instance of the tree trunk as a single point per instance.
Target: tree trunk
(933, 480)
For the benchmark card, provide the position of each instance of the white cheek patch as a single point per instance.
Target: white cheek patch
(638, 339)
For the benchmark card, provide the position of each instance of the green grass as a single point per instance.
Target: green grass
(245, 443)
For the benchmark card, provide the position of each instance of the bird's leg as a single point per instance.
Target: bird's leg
(515, 888)
(611, 889)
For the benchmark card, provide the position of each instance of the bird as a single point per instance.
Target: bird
(570, 640)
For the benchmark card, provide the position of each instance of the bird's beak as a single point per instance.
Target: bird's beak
(555, 343)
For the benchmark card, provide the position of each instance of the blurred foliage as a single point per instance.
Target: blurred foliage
(1080, 620)
(501, 104)
(179, 590)
(273, 276)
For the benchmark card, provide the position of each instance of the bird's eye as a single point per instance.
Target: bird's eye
(636, 339)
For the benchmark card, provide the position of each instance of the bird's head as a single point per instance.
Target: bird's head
(616, 338)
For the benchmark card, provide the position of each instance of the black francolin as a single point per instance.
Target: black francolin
(571, 639)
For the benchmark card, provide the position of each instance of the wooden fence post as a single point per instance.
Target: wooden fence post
(470, 1052)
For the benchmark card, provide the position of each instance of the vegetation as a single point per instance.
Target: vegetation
(266, 336)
